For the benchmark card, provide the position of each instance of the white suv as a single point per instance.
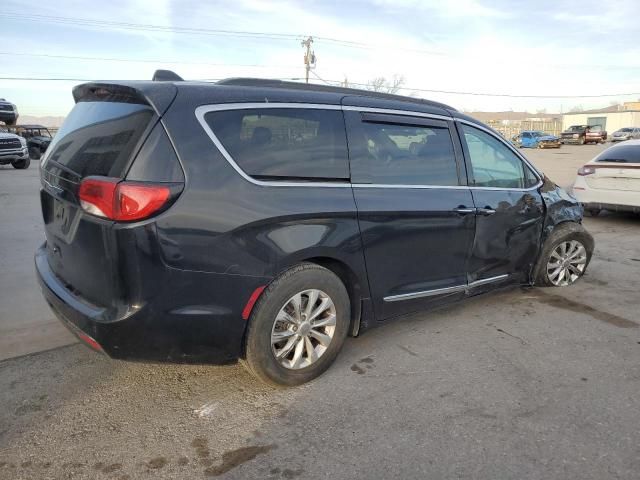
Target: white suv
(611, 180)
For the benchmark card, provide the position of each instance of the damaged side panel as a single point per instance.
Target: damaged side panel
(560, 207)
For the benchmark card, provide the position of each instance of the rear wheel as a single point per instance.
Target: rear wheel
(21, 164)
(298, 326)
(565, 256)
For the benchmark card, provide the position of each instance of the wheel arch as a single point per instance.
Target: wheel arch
(357, 288)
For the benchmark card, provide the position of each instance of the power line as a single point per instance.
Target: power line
(169, 29)
(481, 94)
(338, 82)
(197, 31)
(131, 60)
(256, 35)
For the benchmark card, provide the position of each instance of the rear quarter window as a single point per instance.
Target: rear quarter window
(284, 143)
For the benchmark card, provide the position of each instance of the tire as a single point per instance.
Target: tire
(22, 164)
(260, 357)
(568, 233)
(35, 153)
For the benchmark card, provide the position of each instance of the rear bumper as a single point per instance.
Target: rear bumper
(162, 329)
(606, 199)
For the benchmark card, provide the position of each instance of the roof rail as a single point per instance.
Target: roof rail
(166, 76)
(265, 82)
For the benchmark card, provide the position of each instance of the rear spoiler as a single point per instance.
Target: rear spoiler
(158, 95)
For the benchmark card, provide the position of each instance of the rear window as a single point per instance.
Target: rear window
(284, 143)
(99, 138)
(626, 153)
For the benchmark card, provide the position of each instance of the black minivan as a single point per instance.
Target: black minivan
(266, 221)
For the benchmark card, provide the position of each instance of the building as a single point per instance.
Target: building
(511, 123)
(611, 118)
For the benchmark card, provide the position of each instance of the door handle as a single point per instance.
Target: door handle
(485, 211)
(462, 210)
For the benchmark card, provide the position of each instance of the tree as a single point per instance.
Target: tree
(381, 84)
(576, 109)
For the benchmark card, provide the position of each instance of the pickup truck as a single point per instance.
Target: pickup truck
(596, 134)
(14, 151)
(581, 134)
(8, 112)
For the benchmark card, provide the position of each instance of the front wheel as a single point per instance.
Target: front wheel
(298, 326)
(21, 164)
(565, 256)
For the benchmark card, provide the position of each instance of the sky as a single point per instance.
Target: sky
(505, 47)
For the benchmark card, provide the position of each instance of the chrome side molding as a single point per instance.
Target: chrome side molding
(446, 290)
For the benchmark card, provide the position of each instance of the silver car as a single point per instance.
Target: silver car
(627, 133)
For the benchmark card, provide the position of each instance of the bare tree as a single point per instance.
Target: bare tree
(381, 84)
(576, 109)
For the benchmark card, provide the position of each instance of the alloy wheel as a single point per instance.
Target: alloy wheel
(303, 329)
(566, 263)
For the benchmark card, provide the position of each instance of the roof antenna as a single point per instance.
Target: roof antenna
(166, 76)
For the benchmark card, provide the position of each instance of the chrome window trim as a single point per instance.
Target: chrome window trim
(409, 186)
(446, 290)
(389, 111)
(202, 110)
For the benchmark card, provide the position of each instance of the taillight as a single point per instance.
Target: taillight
(122, 201)
(586, 170)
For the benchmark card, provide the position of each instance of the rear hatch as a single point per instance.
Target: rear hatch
(615, 176)
(99, 139)
(616, 168)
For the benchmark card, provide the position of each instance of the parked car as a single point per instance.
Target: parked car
(596, 134)
(627, 133)
(13, 150)
(38, 138)
(537, 139)
(611, 180)
(8, 112)
(268, 220)
(575, 134)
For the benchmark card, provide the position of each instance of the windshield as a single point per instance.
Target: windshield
(626, 130)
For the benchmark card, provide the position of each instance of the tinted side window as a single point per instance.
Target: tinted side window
(284, 142)
(390, 153)
(493, 164)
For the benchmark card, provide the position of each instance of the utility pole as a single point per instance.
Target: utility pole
(309, 57)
